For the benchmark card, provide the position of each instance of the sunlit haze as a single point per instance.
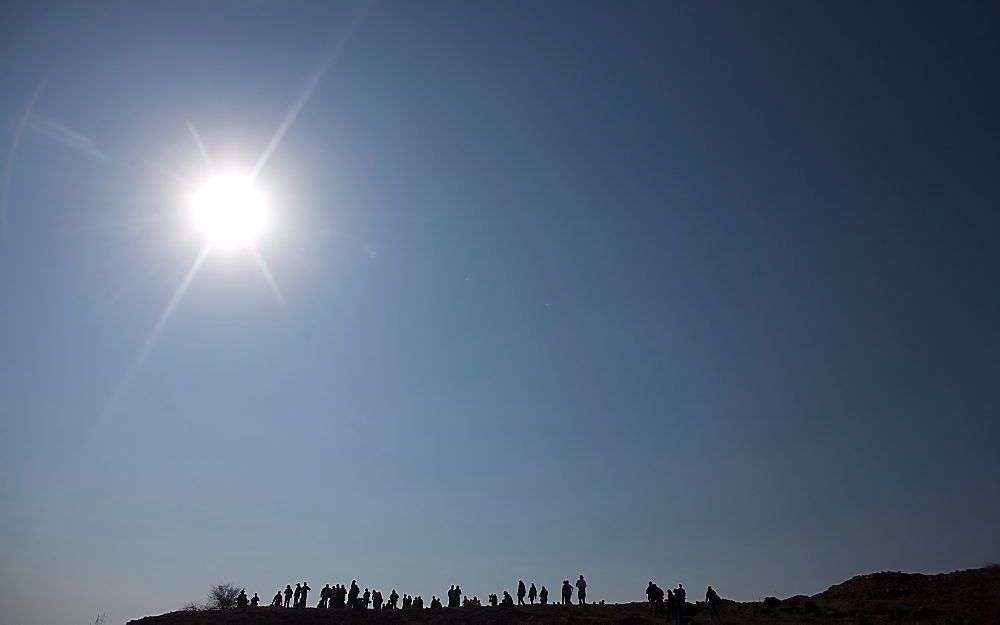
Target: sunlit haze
(426, 292)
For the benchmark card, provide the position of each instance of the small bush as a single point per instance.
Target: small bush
(222, 597)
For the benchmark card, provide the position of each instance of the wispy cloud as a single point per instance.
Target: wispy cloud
(65, 135)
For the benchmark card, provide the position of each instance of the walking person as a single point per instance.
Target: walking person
(532, 593)
(521, 591)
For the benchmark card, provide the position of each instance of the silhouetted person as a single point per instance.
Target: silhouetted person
(581, 591)
(305, 593)
(508, 601)
(298, 595)
(521, 591)
(377, 600)
(532, 593)
(241, 599)
(366, 599)
(680, 596)
(567, 593)
(407, 602)
(352, 596)
(543, 595)
(452, 600)
(254, 600)
(276, 602)
(655, 595)
(435, 603)
(676, 602)
(492, 599)
(393, 598)
(340, 597)
(288, 595)
(713, 600)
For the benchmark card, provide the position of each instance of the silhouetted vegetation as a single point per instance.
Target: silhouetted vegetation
(220, 597)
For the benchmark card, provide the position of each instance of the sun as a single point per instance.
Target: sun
(229, 210)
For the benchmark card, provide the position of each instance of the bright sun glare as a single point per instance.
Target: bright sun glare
(229, 210)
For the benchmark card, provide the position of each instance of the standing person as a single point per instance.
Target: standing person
(671, 603)
(658, 601)
(298, 595)
(543, 595)
(352, 596)
(521, 591)
(288, 594)
(276, 602)
(366, 599)
(581, 591)
(567, 593)
(451, 596)
(458, 595)
(305, 592)
(651, 597)
(254, 600)
(677, 606)
(393, 598)
(377, 600)
(532, 593)
(713, 600)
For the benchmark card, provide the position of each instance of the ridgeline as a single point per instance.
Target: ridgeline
(963, 597)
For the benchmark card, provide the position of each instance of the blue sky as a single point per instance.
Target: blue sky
(691, 292)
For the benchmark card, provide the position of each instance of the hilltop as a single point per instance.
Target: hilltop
(961, 597)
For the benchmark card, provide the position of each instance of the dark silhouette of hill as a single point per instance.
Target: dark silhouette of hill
(962, 597)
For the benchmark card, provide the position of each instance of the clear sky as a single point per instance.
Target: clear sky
(691, 292)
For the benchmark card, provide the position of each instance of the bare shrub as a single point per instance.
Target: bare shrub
(222, 597)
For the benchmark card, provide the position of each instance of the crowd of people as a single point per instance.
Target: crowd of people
(672, 605)
(669, 604)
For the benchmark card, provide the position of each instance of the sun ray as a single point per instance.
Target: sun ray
(154, 335)
(200, 144)
(267, 275)
(306, 93)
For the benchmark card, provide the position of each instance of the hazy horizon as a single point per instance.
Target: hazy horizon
(686, 292)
